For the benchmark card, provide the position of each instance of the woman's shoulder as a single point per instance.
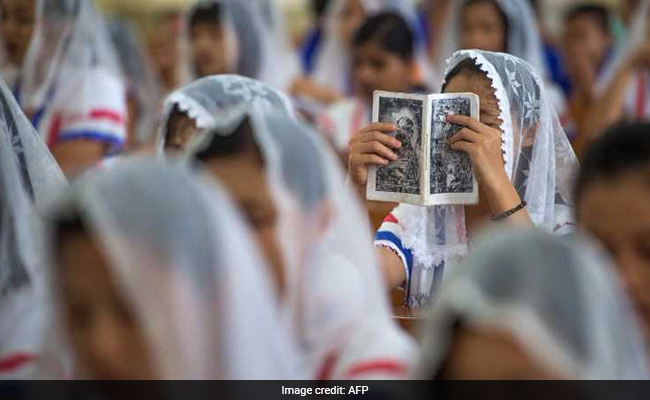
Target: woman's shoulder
(97, 77)
(92, 86)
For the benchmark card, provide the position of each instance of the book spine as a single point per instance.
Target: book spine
(425, 182)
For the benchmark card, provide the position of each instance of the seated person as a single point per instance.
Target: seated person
(588, 52)
(527, 306)
(238, 37)
(383, 51)
(157, 277)
(288, 185)
(521, 157)
(612, 204)
(505, 26)
(316, 239)
(71, 87)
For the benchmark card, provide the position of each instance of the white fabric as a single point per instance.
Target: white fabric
(343, 120)
(636, 36)
(186, 264)
(71, 70)
(29, 176)
(558, 298)
(211, 98)
(70, 36)
(335, 289)
(258, 41)
(139, 73)
(538, 159)
(335, 299)
(333, 64)
(523, 38)
(76, 111)
(637, 96)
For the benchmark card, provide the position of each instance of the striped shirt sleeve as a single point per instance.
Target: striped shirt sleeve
(96, 111)
(389, 236)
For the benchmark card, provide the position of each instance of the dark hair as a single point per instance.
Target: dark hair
(502, 16)
(318, 8)
(390, 31)
(205, 12)
(623, 148)
(600, 14)
(466, 67)
(65, 226)
(227, 145)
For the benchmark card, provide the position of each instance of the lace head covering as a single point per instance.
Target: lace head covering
(70, 38)
(334, 64)
(523, 38)
(335, 298)
(29, 176)
(184, 262)
(211, 98)
(257, 41)
(538, 159)
(559, 299)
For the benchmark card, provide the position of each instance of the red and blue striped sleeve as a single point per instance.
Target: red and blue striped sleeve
(95, 109)
(389, 236)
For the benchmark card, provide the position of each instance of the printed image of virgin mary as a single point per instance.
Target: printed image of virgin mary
(406, 167)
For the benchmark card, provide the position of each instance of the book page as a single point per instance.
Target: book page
(451, 179)
(400, 180)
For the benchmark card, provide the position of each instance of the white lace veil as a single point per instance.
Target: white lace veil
(538, 159)
(558, 298)
(334, 293)
(333, 65)
(523, 39)
(209, 99)
(29, 176)
(258, 40)
(186, 265)
(70, 38)
(141, 80)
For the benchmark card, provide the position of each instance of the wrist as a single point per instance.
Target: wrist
(501, 196)
(355, 186)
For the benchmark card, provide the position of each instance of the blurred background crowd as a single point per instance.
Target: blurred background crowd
(182, 191)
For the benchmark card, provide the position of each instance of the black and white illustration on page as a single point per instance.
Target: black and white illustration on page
(451, 171)
(403, 175)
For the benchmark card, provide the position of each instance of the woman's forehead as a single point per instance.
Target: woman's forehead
(478, 84)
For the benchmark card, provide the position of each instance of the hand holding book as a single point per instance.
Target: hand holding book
(483, 145)
(427, 171)
(373, 145)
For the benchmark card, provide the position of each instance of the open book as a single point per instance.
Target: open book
(428, 172)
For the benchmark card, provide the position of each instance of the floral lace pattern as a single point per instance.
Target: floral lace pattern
(214, 97)
(537, 155)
